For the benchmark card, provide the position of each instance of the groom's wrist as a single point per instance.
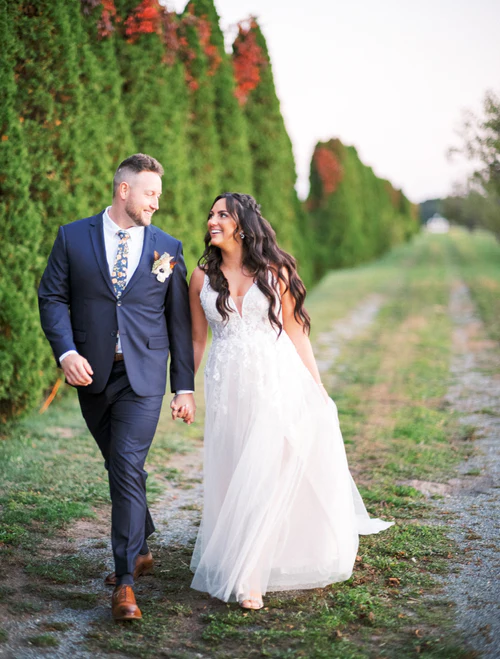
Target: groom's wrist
(65, 354)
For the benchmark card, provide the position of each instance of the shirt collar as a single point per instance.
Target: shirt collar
(111, 228)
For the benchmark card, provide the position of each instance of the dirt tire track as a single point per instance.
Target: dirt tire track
(475, 502)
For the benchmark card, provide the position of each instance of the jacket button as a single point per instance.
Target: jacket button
(118, 304)
(113, 333)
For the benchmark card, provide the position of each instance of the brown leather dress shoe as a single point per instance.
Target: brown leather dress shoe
(143, 566)
(123, 604)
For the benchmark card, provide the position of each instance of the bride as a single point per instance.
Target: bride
(281, 511)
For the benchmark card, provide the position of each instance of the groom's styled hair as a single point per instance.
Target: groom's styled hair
(139, 162)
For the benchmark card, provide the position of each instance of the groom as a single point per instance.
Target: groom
(113, 304)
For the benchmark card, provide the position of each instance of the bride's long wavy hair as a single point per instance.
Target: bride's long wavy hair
(260, 254)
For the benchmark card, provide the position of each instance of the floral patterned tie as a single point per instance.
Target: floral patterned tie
(119, 274)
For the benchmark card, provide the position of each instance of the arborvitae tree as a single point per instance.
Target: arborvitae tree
(355, 216)
(23, 352)
(274, 174)
(204, 145)
(156, 97)
(105, 113)
(331, 204)
(50, 99)
(410, 215)
(385, 237)
(236, 169)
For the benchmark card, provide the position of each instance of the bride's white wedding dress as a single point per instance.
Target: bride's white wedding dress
(281, 511)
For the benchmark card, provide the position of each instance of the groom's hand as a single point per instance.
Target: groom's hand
(183, 407)
(77, 370)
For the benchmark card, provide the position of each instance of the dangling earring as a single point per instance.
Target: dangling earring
(242, 235)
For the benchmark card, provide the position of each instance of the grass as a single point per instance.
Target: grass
(43, 641)
(389, 385)
(477, 255)
(72, 570)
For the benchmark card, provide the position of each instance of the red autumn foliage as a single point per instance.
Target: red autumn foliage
(145, 19)
(187, 54)
(171, 38)
(107, 20)
(211, 51)
(248, 60)
(105, 25)
(329, 169)
(150, 17)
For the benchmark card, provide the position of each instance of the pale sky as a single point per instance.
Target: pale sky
(390, 77)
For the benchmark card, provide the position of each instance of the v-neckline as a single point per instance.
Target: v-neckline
(242, 301)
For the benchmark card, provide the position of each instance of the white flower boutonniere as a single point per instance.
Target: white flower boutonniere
(163, 266)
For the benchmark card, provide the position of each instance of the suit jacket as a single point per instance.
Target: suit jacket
(79, 309)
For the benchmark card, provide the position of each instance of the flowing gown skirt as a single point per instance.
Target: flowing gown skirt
(281, 511)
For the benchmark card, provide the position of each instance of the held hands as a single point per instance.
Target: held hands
(77, 370)
(183, 407)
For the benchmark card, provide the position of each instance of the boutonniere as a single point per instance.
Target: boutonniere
(163, 266)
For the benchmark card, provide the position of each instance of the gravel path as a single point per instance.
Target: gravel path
(328, 345)
(474, 499)
(175, 514)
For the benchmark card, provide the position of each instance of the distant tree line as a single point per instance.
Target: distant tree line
(477, 203)
(85, 83)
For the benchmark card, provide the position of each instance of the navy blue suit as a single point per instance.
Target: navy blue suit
(79, 310)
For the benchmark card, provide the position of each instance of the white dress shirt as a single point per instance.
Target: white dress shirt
(135, 244)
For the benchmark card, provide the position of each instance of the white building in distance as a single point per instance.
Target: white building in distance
(437, 224)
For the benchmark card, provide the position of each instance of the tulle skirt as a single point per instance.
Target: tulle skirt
(281, 511)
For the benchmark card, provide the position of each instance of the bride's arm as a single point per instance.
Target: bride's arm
(198, 319)
(299, 338)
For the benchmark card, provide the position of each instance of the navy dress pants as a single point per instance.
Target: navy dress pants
(123, 425)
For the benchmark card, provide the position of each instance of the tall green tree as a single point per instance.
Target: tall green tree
(205, 161)
(481, 144)
(155, 95)
(273, 164)
(481, 141)
(104, 108)
(24, 355)
(236, 164)
(50, 99)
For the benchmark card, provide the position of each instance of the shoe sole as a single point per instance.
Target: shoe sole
(122, 618)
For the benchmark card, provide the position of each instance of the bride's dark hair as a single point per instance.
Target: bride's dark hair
(260, 254)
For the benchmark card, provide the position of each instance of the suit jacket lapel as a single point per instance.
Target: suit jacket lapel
(97, 237)
(147, 258)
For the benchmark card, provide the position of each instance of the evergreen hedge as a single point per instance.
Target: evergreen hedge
(86, 83)
(354, 215)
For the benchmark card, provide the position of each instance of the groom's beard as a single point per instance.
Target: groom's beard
(135, 215)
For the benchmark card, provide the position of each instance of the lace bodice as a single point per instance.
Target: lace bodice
(243, 347)
(253, 318)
